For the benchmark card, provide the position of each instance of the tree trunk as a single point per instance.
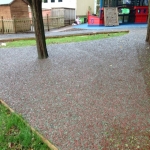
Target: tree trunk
(36, 8)
(148, 27)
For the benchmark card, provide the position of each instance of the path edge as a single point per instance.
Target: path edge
(65, 35)
(50, 145)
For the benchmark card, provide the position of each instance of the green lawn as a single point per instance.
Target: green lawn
(59, 40)
(16, 135)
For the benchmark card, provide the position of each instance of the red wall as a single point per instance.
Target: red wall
(44, 13)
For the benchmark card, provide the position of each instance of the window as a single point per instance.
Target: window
(52, 1)
(59, 0)
(45, 1)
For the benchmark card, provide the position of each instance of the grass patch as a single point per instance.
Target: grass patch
(69, 39)
(16, 135)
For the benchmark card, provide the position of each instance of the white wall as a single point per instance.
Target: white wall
(83, 7)
(64, 3)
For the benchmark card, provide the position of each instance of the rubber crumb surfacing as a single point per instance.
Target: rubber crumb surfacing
(86, 95)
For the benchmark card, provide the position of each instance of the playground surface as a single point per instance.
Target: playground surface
(86, 96)
(79, 29)
(122, 26)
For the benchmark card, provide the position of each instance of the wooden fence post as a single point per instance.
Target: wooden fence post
(14, 24)
(33, 29)
(70, 16)
(2, 24)
(47, 22)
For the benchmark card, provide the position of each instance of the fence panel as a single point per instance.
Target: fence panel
(9, 26)
(53, 22)
(1, 25)
(26, 25)
(23, 25)
(67, 13)
(69, 16)
(57, 12)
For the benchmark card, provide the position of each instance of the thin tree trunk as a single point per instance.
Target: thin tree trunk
(36, 8)
(148, 27)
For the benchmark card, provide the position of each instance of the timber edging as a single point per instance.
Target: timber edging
(50, 145)
(64, 35)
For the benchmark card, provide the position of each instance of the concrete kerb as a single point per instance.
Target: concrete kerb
(65, 35)
(50, 145)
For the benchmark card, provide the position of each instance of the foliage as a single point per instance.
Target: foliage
(59, 40)
(15, 134)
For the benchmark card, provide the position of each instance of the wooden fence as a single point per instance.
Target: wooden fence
(26, 25)
(67, 13)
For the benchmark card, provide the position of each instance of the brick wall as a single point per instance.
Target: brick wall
(19, 9)
(5, 12)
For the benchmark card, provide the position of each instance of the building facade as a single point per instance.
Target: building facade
(11, 8)
(48, 4)
(81, 6)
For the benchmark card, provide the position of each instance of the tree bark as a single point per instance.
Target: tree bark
(36, 8)
(148, 27)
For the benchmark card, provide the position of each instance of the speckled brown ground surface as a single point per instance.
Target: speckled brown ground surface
(85, 96)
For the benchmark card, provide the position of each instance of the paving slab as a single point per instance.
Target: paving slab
(87, 95)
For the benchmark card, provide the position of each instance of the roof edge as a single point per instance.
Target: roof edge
(7, 3)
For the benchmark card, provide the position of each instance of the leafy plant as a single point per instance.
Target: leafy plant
(15, 134)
